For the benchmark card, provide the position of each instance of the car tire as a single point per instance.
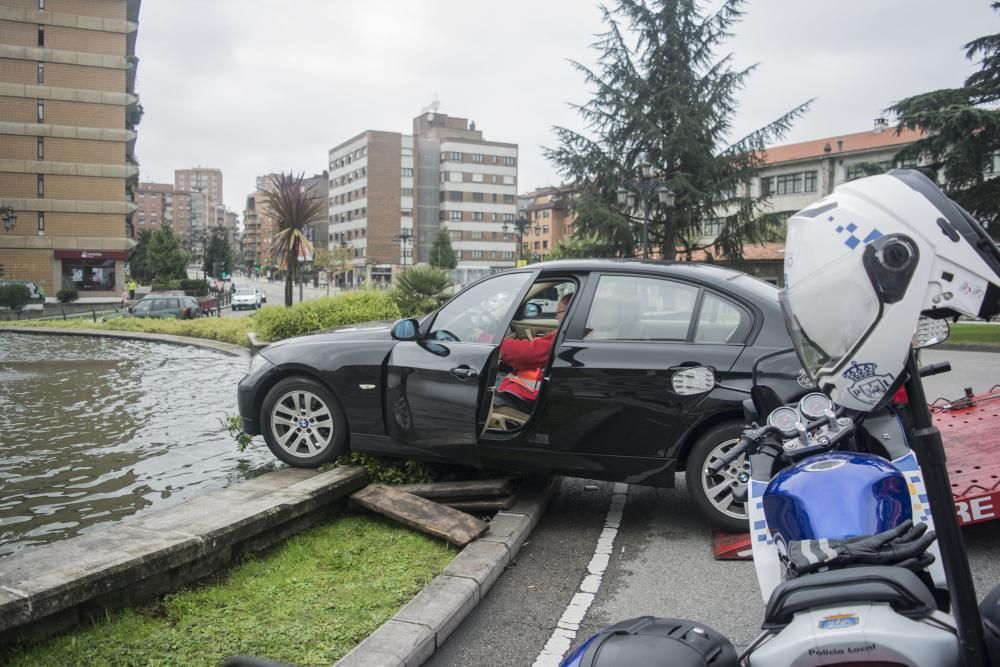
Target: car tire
(321, 432)
(713, 494)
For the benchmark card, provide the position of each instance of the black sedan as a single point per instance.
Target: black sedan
(602, 405)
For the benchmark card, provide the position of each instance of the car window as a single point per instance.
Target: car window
(720, 321)
(476, 314)
(636, 308)
(142, 307)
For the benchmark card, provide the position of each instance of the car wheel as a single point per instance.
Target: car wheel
(721, 497)
(303, 423)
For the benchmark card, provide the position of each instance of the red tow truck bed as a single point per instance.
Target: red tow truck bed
(970, 429)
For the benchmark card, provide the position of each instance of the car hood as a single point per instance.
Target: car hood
(367, 331)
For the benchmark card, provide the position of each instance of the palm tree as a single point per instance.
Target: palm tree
(293, 210)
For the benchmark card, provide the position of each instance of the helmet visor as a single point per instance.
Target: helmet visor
(830, 312)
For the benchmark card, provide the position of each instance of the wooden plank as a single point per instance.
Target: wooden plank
(486, 488)
(485, 505)
(428, 516)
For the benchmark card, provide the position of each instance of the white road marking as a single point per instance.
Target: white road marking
(564, 635)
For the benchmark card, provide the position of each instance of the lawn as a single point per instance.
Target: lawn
(978, 334)
(308, 602)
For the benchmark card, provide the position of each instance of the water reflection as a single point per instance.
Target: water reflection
(94, 430)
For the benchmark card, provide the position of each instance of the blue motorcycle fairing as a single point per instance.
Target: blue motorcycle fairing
(836, 496)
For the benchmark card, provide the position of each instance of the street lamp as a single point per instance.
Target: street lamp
(641, 190)
(404, 239)
(522, 223)
(9, 218)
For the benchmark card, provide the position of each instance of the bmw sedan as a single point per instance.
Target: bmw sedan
(564, 367)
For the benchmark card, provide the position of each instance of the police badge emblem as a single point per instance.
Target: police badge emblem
(869, 385)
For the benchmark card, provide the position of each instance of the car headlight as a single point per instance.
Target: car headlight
(258, 363)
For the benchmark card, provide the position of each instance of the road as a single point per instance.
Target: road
(275, 292)
(660, 562)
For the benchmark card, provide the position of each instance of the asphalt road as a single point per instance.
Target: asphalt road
(275, 292)
(661, 563)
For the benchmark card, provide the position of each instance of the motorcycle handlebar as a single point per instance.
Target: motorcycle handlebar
(748, 438)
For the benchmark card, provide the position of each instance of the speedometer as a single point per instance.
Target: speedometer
(784, 419)
(812, 405)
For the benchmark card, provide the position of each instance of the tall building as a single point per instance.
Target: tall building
(318, 187)
(68, 112)
(549, 220)
(390, 193)
(155, 202)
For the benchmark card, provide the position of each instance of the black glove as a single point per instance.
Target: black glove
(905, 546)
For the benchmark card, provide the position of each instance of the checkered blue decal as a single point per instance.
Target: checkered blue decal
(853, 241)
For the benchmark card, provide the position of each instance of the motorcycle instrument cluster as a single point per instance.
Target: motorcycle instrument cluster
(814, 405)
(784, 419)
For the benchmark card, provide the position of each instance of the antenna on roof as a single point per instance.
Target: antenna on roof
(432, 108)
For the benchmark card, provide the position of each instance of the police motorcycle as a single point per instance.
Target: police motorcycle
(856, 543)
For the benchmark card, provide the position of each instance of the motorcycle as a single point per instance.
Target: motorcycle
(813, 469)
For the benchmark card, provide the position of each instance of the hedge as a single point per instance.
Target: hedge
(277, 322)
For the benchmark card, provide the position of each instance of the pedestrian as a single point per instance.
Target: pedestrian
(131, 286)
(125, 298)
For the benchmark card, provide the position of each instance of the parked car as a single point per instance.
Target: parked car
(247, 298)
(606, 407)
(166, 305)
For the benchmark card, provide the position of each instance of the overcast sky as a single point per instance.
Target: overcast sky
(255, 86)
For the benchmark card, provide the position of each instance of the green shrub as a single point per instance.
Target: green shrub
(277, 322)
(14, 295)
(194, 287)
(226, 329)
(165, 285)
(420, 290)
(68, 295)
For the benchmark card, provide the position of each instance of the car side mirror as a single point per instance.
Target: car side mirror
(694, 380)
(408, 329)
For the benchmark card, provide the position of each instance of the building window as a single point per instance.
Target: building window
(545, 245)
(455, 156)
(508, 217)
(862, 169)
(477, 254)
(455, 216)
(538, 245)
(712, 228)
(477, 196)
(407, 192)
(89, 274)
(476, 236)
(477, 157)
(407, 171)
(477, 216)
(545, 213)
(41, 185)
(41, 111)
(508, 199)
(40, 144)
(509, 161)
(809, 181)
(41, 5)
(41, 223)
(454, 196)
(455, 235)
(545, 229)
(41, 35)
(406, 213)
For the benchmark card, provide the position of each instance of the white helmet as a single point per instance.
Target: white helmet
(862, 264)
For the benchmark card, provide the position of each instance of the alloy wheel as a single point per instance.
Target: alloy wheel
(721, 488)
(302, 424)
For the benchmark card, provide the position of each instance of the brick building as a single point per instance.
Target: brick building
(550, 220)
(68, 110)
(155, 206)
(390, 193)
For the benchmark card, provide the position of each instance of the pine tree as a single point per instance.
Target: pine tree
(442, 255)
(164, 257)
(661, 96)
(963, 133)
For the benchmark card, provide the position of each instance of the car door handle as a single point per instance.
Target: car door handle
(464, 372)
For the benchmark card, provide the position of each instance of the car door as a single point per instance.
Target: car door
(609, 392)
(434, 385)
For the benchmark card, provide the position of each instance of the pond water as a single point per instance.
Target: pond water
(95, 430)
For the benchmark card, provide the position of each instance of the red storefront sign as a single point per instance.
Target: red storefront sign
(91, 254)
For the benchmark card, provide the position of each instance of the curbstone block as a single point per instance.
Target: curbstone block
(534, 497)
(395, 644)
(441, 606)
(510, 530)
(482, 562)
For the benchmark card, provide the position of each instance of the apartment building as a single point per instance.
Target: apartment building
(155, 206)
(68, 112)
(549, 219)
(318, 187)
(259, 227)
(390, 193)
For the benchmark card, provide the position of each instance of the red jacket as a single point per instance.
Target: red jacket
(528, 359)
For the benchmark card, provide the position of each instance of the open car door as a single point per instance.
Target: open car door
(435, 385)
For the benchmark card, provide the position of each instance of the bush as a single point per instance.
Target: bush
(14, 295)
(226, 329)
(194, 287)
(420, 290)
(165, 285)
(68, 295)
(277, 322)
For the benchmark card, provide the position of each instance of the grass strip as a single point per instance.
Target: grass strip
(308, 602)
(980, 334)
(226, 329)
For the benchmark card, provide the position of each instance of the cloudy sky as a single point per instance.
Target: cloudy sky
(254, 86)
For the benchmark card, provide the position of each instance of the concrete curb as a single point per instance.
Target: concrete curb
(967, 347)
(54, 587)
(411, 636)
(217, 345)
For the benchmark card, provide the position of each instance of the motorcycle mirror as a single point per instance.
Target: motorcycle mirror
(930, 332)
(694, 380)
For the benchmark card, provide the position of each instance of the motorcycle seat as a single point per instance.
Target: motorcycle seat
(897, 586)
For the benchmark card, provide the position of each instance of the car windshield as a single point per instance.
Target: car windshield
(244, 292)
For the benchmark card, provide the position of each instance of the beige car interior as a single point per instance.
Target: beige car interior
(506, 418)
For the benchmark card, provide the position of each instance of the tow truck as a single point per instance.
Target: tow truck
(968, 427)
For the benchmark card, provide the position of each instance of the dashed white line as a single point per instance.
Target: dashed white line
(564, 634)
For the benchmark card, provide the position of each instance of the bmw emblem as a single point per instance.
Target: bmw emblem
(303, 423)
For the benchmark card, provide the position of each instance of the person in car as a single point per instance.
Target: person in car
(528, 359)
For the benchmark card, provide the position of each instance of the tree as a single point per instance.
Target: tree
(218, 254)
(442, 254)
(14, 295)
(661, 96)
(292, 210)
(164, 256)
(962, 127)
(138, 261)
(335, 262)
